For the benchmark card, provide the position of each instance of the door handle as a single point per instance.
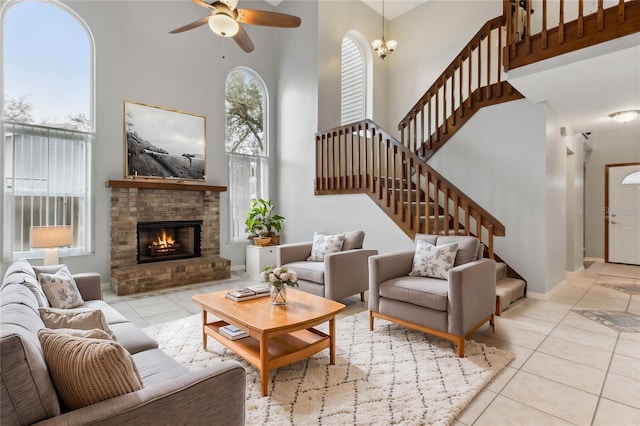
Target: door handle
(613, 222)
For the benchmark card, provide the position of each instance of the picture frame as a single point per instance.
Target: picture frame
(163, 143)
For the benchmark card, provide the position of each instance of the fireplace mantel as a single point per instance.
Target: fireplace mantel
(162, 184)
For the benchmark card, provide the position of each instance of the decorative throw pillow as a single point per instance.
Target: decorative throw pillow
(85, 371)
(83, 319)
(324, 245)
(61, 289)
(433, 261)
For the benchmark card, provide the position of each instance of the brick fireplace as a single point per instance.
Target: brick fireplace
(136, 202)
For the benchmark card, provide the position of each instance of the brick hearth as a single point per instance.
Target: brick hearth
(134, 201)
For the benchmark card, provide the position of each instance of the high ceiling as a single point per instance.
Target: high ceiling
(392, 8)
(583, 87)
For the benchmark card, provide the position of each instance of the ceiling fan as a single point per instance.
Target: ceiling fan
(224, 20)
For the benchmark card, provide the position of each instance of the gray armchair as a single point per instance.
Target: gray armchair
(340, 275)
(452, 308)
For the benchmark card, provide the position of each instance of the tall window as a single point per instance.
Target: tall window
(47, 125)
(246, 145)
(353, 83)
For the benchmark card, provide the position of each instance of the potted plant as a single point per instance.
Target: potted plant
(262, 222)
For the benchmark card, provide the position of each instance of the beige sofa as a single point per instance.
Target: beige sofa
(170, 395)
(340, 275)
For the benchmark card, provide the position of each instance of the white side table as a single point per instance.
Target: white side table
(258, 258)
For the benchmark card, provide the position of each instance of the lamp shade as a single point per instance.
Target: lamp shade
(50, 236)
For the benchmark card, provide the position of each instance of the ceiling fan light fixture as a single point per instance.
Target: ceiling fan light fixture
(625, 116)
(223, 25)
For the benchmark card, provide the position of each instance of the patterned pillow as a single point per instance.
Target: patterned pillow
(433, 261)
(324, 245)
(61, 289)
(79, 319)
(85, 371)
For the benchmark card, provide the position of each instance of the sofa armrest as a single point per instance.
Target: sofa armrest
(346, 273)
(90, 285)
(472, 294)
(296, 252)
(383, 267)
(215, 394)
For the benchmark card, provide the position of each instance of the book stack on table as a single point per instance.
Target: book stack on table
(248, 293)
(232, 333)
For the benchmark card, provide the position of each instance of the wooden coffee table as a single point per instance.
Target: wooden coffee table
(278, 335)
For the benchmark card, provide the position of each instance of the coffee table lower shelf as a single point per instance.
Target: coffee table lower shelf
(283, 349)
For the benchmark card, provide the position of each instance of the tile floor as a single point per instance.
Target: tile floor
(569, 369)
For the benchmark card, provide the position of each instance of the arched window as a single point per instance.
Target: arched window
(631, 179)
(247, 145)
(355, 79)
(47, 124)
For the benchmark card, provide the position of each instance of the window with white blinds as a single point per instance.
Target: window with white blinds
(47, 126)
(353, 83)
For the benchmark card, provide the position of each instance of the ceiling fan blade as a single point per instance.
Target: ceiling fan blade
(196, 24)
(203, 4)
(243, 40)
(268, 19)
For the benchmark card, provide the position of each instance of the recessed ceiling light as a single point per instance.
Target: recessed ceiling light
(625, 116)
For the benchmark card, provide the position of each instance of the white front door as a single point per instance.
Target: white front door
(624, 214)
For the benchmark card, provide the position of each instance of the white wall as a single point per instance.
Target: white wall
(495, 158)
(555, 207)
(575, 199)
(137, 59)
(621, 145)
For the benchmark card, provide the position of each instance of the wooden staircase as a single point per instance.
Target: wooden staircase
(363, 158)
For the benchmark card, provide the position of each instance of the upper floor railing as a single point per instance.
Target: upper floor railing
(541, 29)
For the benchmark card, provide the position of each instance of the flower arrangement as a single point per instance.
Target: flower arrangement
(279, 277)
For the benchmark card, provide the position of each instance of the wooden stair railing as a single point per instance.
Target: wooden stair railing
(563, 28)
(363, 158)
(473, 80)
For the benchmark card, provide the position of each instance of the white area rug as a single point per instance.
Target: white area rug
(392, 375)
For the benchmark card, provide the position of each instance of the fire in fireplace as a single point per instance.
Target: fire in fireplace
(168, 240)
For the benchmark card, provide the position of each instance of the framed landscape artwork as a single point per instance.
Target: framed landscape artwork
(163, 143)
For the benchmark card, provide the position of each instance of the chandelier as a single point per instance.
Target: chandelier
(383, 47)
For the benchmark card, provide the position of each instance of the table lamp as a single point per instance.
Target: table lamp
(50, 238)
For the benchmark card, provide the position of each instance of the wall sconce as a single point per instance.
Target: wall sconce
(50, 238)
(625, 116)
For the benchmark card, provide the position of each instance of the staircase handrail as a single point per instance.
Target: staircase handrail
(453, 92)
(382, 156)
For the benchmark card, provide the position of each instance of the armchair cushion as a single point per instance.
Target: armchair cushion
(468, 248)
(324, 245)
(433, 261)
(308, 271)
(430, 293)
(353, 240)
